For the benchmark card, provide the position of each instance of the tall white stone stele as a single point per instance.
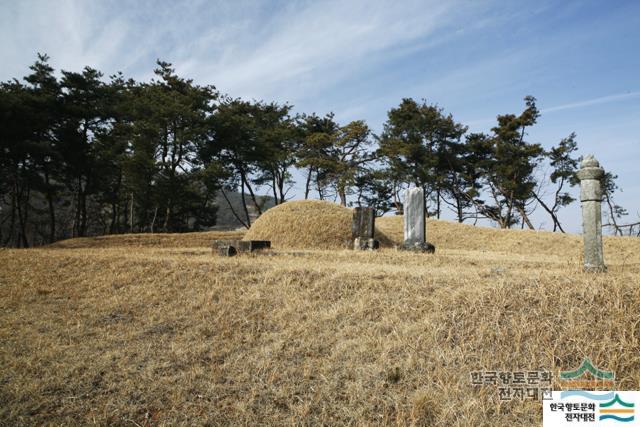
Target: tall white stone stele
(414, 229)
(590, 176)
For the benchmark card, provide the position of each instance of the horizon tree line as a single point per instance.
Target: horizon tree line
(83, 155)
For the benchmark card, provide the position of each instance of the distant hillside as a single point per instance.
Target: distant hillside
(226, 220)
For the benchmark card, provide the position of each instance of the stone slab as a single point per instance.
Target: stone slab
(241, 245)
(363, 223)
(414, 215)
(227, 251)
(252, 245)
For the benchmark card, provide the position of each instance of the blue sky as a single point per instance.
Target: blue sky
(476, 59)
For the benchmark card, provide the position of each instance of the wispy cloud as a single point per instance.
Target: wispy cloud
(568, 106)
(75, 34)
(593, 101)
(305, 50)
(281, 51)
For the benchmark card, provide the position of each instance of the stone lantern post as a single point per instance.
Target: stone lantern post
(590, 176)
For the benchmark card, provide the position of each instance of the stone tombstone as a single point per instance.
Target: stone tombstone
(590, 176)
(414, 229)
(363, 228)
(363, 223)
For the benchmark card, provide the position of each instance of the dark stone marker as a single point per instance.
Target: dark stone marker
(252, 245)
(239, 246)
(363, 223)
(362, 229)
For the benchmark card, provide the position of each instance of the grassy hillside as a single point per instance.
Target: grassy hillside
(449, 235)
(155, 330)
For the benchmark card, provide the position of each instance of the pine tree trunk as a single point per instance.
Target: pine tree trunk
(244, 206)
(76, 214)
(52, 212)
(22, 221)
(319, 188)
(251, 193)
(10, 239)
(307, 185)
(551, 212)
(343, 196)
(167, 217)
(233, 211)
(281, 187)
(131, 215)
(83, 215)
(153, 220)
(275, 192)
(525, 219)
(114, 217)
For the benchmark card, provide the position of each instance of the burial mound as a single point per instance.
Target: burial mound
(306, 224)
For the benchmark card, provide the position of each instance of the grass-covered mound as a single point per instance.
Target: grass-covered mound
(306, 224)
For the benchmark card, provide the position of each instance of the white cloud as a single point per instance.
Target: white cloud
(305, 50)
(72, 33)
(593, 101)
(249, 49)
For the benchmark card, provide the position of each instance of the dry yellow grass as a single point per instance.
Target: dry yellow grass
(154, 330)
(169, 240)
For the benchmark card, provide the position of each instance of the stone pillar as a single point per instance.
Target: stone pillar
(363, 228)
(590, 176)
(414, 225)
(414, 232)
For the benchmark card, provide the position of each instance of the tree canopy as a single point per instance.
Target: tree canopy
(84, 154)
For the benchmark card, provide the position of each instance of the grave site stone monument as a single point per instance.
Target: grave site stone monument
(363, 228)
(414, 222)
(233, 247)
(590, 176)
